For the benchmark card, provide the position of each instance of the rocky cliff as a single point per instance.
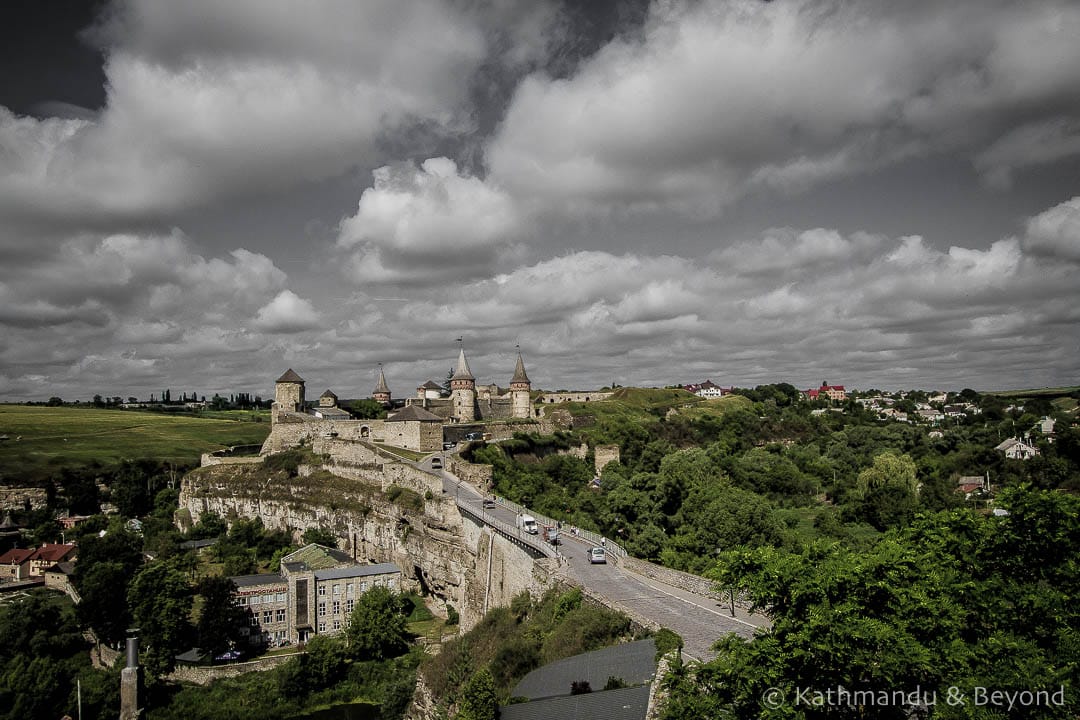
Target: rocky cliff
(381, 510)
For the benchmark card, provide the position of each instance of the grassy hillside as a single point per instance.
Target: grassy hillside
(42, 439)
(1036, 393)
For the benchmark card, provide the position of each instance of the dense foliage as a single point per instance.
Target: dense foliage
(42, 656)
(510, 642)
(765, 468)
(955, 602)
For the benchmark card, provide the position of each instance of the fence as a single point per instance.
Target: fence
(613, 548)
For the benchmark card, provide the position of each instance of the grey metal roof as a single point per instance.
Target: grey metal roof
(633, 663)
(331, 413)
(462, 371)
(413, 413)
(263, 579)
(519, 372)
(357, 571)
(196, 544)
(290, 377)
(623, 704)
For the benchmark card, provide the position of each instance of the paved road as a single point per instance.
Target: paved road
(699, 620)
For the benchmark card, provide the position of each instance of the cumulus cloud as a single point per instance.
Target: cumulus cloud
(286, 313)
(206, 99)
(1056, 232)
(717, 98)
(416, 222)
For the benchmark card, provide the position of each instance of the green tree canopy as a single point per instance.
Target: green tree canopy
(160, 598)
(376, 629)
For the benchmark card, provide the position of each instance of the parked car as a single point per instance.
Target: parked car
(597, 556)
(449, 445)
(436, 463)
(489, 502)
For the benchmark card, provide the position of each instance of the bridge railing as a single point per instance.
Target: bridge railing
(533, 541)
(613, 548)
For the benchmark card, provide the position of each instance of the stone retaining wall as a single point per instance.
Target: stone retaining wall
(676, 578)
(204, 674)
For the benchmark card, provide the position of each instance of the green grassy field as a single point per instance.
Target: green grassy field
(43, 439)
(1035, 392)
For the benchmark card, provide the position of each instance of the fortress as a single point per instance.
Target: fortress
(415, 424)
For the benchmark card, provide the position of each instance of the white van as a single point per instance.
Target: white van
(528, 524)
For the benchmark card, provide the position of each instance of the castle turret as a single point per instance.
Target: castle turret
(288, 395)
(463, 390)
(381, 394)
(520, 387)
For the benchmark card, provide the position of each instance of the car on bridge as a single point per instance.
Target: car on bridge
(489, 502)
(436, 463)
(598, 556)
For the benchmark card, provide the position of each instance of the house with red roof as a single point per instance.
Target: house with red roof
(50, 554)
(835, 393)
(15, 565)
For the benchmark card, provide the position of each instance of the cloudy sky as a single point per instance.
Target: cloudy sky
(200, 195)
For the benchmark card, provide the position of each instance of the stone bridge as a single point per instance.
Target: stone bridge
(652, 595)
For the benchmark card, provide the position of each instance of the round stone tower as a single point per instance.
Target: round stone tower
(288, 395)
(463, 390)
(520, 387)
(381, 394)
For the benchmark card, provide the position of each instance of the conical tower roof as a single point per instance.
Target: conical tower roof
(290, 376)
(381, 386)
(519, 372)
(462, 371)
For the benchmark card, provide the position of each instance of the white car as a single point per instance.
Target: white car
(597, 556)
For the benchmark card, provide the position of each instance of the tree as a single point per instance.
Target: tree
(320, 537)
(220, 620)
(103, 589)
(376, 629)
(956, 599)
(367, 409)
(160, 599)
(55, 401)
(478, 698)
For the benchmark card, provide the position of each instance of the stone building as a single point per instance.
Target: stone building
(314, 593)
(381, 394)
(288, 394)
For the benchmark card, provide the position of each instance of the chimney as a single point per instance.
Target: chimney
(131, 679)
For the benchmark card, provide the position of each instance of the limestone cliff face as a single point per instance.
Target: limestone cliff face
(380, 511)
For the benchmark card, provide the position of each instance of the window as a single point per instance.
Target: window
(349, 606)
(363, 586)
(322, 626)
(255, 599)
(254, 619)
(322, 591)
(337, 608)
(337, 624)
(337, 590)
(350, 591)
(241, 601)
(282, 597)
(322, 608)
(279, 616)
(268, 617)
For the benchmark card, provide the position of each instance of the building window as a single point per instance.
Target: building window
(241, 601)
(350, 591)
(282, 597)
(337, 624)
(337, 590)
(349, 606)
(254, 619)
(268, 617)
(322, 608)
(322, 626)
(337, 608)
(279, 616)
(322, 591)
(363, 586)
(255, 600)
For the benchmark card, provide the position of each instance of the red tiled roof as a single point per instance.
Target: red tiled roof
(52, 552)
(16, 555)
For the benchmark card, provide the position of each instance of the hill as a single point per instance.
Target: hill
(44, 439)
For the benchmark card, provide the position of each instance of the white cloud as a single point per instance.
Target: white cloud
(287, 313)
(1056, 232)
(719, 97)
(418, 221)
